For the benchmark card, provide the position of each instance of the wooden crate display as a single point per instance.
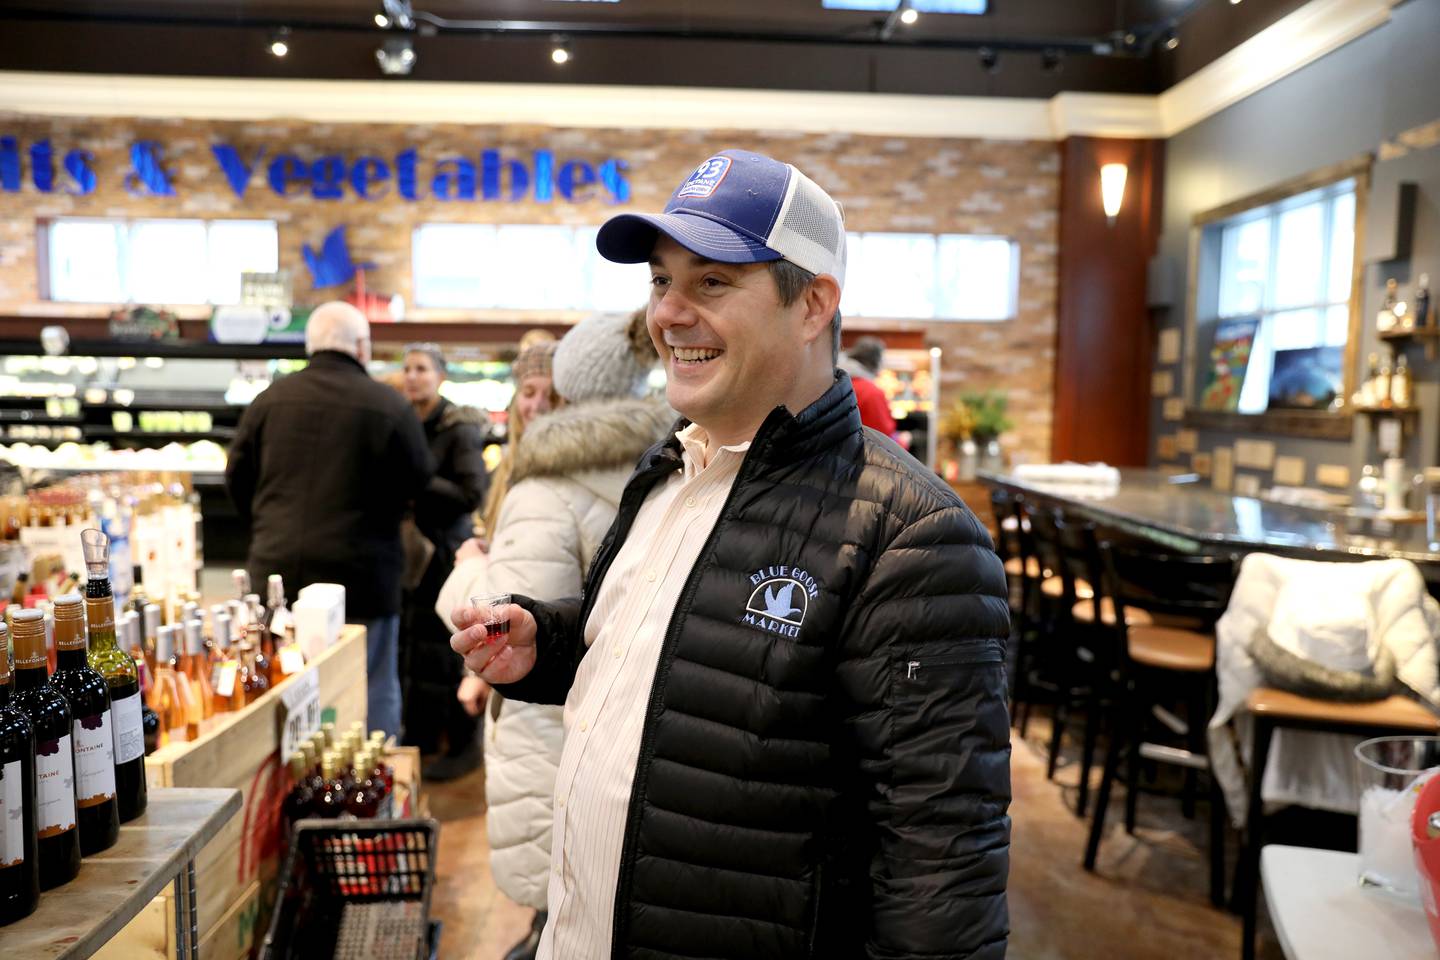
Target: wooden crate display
(236, 872)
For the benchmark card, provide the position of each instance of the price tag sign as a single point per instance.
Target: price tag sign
(301, 714)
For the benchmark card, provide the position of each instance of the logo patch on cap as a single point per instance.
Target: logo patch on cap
(705, 179)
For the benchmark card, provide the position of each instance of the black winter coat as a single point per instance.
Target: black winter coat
(833, 785)
(324, 465)
(456, 436)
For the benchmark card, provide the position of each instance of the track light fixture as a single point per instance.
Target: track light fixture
(395, 13)
(908, 16)
(396, 57)
(280, 42)
(1052, 60)
(560, 52)
(1172, 39)
(989, 60)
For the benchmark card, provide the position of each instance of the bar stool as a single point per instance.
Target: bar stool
(1271, 710)
(1153, 656)
(1026, 569)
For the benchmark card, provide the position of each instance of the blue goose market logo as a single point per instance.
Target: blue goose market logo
(780, 599)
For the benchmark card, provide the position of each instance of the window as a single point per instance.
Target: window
(157, 261)
(551, 267)
(1276, 287)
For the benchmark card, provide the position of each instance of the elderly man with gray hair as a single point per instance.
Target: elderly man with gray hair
(323, 466)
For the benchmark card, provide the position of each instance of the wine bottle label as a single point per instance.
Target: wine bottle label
(54, 787)
(12, 815)
(94, 760)
(129, 729)
(224, 681)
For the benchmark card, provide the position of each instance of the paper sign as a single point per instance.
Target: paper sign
(300, 711)
(1187, 441)
(1247, 485)
(1258, 454)
(292, 661)
(1175, 408)
(1162, 383)
(1169, 346)
(224, 680)
(1200, 463)
(1223, 474)
(1165, 446)
(1290, 471)
(1332, 475)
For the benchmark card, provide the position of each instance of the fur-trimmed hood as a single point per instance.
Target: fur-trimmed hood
(600, 435)
(453, 414)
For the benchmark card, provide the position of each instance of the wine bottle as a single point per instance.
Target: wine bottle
(122, 674)
(330, 804)
(198, 672)
(56, 830)
(19, 859)
(166, 698)
(92, 727)
(363, 800)
(225, 679)
(252, 679)
(299, 803)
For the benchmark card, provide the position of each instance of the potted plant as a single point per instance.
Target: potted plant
(975, 422)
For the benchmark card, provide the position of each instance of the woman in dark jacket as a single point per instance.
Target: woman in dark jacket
(444, 517)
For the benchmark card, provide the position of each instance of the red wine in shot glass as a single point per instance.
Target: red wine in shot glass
(494, 616)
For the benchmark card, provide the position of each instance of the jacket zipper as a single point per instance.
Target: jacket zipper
(986, 655)
(647, 738)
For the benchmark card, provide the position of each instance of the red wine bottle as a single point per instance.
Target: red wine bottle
(58, 836)
(93, 729)
(19, 860)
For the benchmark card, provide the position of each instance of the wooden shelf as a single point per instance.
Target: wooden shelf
(113, 887)
(1387, 411)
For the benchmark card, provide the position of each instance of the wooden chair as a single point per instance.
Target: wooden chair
(1170, 649)
(1271, 710)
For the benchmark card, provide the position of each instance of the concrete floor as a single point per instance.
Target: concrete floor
(1148, 898)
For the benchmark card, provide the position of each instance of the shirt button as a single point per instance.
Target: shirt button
(689, 501)
(650, 575)
(557, 871)
(618, 651)
(560, 802)
(584, 725)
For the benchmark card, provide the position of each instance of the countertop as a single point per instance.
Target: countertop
(1194, 516)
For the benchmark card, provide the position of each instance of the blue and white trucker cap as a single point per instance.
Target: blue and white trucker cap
(739, 207)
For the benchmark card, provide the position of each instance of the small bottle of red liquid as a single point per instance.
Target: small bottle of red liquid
(299, 803)
(330, 804)
(363, 800)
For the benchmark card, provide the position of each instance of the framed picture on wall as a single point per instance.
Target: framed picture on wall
(1229, 359)
(1307, 379)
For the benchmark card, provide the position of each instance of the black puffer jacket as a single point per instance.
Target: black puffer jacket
(456, 436)
(323, 466)
(836, 786)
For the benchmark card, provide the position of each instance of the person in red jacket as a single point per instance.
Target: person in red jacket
(864, 358)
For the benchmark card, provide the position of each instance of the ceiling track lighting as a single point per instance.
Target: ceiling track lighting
(280, 42)
(908, 16)
(396, 56)
(1172, 39)
(560, 53)
(989, 60)
(1052, 60)
(395, 13)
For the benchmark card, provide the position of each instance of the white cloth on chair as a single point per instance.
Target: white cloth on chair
(1339, 615)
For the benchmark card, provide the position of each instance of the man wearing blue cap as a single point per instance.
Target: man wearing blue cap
(784, 687)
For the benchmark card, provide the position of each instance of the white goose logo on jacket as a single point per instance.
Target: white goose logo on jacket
(780, 600)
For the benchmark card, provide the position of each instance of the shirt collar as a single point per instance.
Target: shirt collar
(693, 440)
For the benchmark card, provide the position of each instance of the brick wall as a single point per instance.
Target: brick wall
(891, 184)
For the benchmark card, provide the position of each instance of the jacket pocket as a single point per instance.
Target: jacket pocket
(922, 669)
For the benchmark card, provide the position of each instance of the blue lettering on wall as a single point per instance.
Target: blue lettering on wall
(9, 165)
(454, 179)
(544, 176)
(495, 177)
(328, 174)
(77, 164)
(574, 177)
(370, 172)
(147, 170)
(405, 174)
(612, 175)
(236, 170)
(286, 170)
(42, 166)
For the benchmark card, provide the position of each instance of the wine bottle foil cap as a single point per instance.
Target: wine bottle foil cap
(69, 606)
(27, 617)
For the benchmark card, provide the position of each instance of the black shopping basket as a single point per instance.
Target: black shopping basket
(356, 888)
